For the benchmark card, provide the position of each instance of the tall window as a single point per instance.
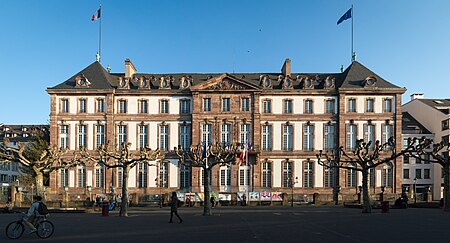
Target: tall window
(203, 177)
(207, 104)
(369, 135)
(119, 177)
(387, 133)
(143, 106)
(122, 106)
(387, 105)
(267, 138)
(100, 105)
(287, 174)
(426, 173)
(226, 135)
(267, 175)
(164, 106)
(245, 134)
(164, 174)
(351, 176)
(328, 137)
(308, 138)
(64, 136)
(287, 106)
(405, 173)
(329, 176)
(164, 137)
(244, 176)
(405, 159)
(81, 177)
(100, 176)
(225, 176)
(370, 105)
(225, 104)
(82, 105)
(418, 173)
(64, 105)
(351, 105)
(372, 177)
(185, 136)
(308, 174)
(64, 177)
(245, 105)
(122, 135)
(82, 138)
(142, 175)
(387, 175)
(351, 137)
(308, 106)
(143, 136)
(329, 107)
(185, 176)
(207, 134)
(267, 106)
(287, 137)
(100, 135)
(185, 106)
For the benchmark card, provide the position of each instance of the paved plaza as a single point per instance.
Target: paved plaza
(249, 224)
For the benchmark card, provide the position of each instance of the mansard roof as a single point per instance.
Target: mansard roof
(353, 78)
(96, 75)
(442, 105)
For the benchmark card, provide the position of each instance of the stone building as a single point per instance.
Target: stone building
(285, 118)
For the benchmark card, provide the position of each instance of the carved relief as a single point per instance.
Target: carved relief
(225, 85)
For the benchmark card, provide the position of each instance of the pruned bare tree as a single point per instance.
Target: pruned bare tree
(207, 157)
(39, 158)
(126, 159)
(438, 153)
(364, 157)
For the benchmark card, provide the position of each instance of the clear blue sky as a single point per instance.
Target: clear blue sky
(43, 43)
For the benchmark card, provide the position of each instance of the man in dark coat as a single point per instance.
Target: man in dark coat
(174, 207)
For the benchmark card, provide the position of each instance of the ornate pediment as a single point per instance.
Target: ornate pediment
(225, 84)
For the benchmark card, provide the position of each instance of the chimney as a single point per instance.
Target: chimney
(130, 70)
(417, 96)
(286, 69)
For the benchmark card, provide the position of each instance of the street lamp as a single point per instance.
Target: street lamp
(89, 188)
(359, 194)
(20, 196)
(66, 190)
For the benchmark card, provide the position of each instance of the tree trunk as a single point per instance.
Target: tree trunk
(206, 202)
(124, 206)
(446, 170)
(367, 206)
(39, 177)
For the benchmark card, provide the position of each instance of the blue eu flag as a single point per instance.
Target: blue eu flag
(346, 16)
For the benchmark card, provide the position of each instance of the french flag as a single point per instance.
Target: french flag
(96, 15)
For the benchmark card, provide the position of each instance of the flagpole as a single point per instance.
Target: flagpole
(100, 35)
(352, 54)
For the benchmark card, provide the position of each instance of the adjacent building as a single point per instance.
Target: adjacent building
(434, 115)
(285, 117)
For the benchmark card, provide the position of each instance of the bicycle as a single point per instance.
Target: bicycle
(44, 227)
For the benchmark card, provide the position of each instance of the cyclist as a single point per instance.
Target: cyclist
(31, 214)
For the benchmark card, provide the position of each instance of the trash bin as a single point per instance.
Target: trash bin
(385, 206)
(105, 209)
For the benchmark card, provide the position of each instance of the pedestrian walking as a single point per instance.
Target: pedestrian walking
(174, 203)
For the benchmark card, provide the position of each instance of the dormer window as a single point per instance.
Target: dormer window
(82, 81)
(370, 82)
(164, 83)
(308, 84)
(143, 83)
(329, 83)
(184, 83)
(287, 84)
(266, 82)
(124, 83)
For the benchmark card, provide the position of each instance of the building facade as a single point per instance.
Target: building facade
(284, 118)
(434, 115)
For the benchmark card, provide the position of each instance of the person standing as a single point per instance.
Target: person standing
(174, 207)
